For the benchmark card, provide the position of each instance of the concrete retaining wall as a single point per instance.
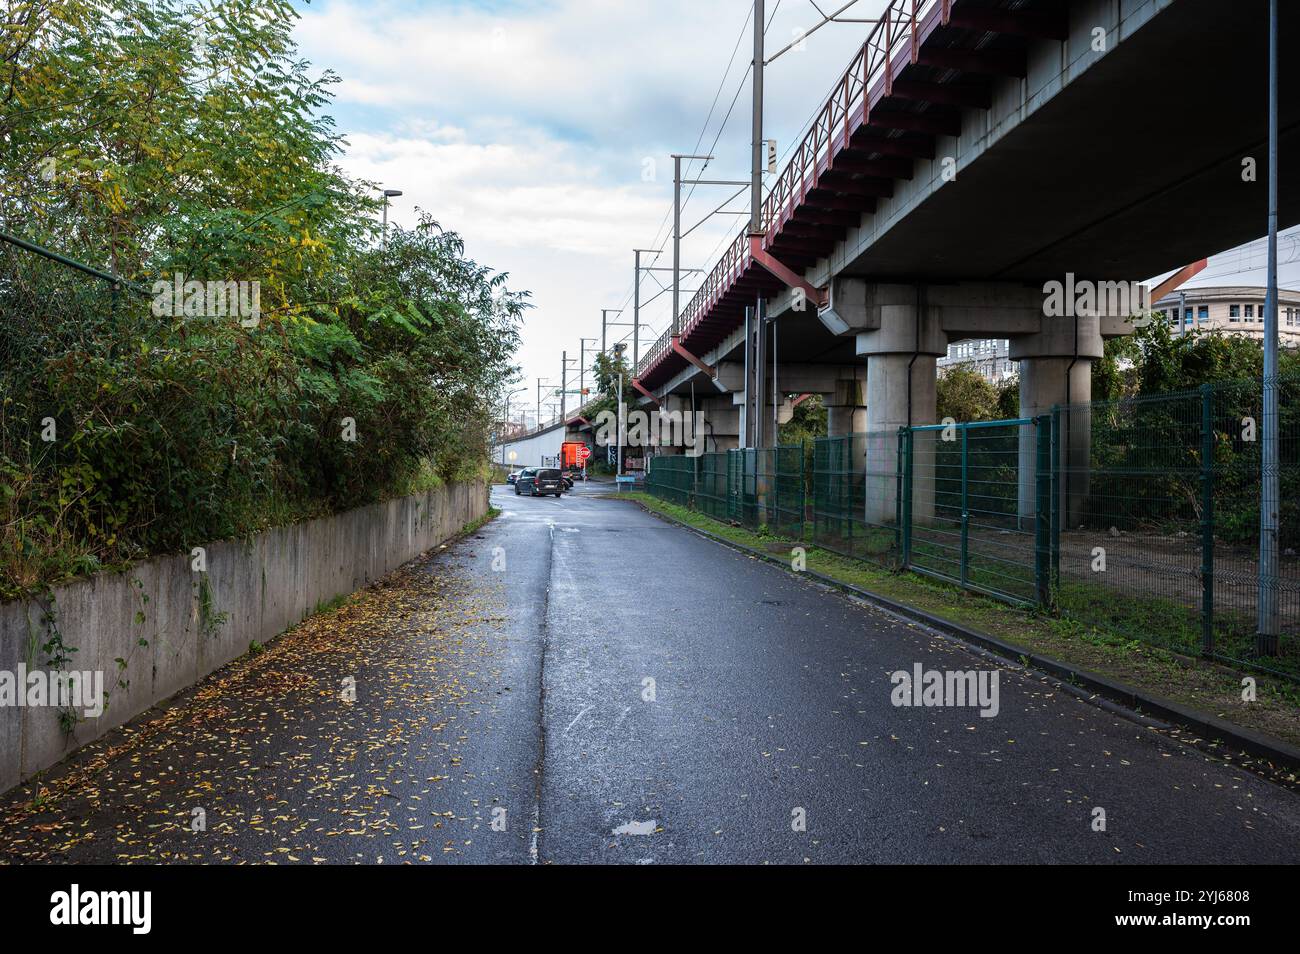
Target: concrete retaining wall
(263, 585)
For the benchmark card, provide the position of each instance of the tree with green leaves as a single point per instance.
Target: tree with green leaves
(964, 395)
(165, 138)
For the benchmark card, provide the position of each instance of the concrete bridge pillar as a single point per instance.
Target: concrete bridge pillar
(720, 423)
(1056, 368)
(901, 352)
(846, 406)
(666, 425)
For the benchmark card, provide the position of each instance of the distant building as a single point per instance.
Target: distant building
(1232, 309)
(1229, 309)
(987, 357)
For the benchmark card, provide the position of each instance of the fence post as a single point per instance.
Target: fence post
(965, 509)
(735, 472)
(898, 494)
(1055, 491)
(846, 505)
(1043, 516)
(1207, 520)
(906, 487)
(695, 482)
(803, 487)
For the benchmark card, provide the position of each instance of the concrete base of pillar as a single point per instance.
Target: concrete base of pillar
(846, 409)
(1046, 382)
(900, 392)
(845, 420)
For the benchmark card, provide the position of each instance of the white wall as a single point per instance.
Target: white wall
(533, 450)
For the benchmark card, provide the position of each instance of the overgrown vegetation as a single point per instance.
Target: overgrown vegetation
(155, 139)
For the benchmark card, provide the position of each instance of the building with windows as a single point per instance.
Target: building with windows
(1228, 309)
(1231, 309)
(987, 357)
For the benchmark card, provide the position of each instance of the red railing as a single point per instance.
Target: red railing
(846, 109)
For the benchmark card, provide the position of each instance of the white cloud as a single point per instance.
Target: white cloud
(525, 127)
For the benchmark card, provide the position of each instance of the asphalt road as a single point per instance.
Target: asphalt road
(607, 687)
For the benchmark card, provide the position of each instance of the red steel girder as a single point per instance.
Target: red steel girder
(636, 383)
(1040, 25)
(965, 95)
(984, 62)
(844, 215)
(841, 183)
(912, 146)
(810, 230)
(778, 269)
(823, 200)
(935, 122)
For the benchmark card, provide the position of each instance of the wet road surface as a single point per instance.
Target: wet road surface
(580, 681)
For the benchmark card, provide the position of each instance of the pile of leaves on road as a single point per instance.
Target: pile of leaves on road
(341, 741)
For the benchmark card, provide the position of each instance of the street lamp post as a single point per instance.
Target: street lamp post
(388, 194)
(505, 420)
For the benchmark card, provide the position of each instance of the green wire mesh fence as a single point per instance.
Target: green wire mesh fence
(855, 482)
(1138, 517)
(672, 478)
(758, 489)
(767, 488)
(1158, 536)
(711, 495)
(974, 512)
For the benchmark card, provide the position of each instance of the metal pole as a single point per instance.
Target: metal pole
(618, 460)
(1207, 520)
(582, 369)
(746, 419)
(760, 367)
(564, 381)
(756, 162)
(112, 279)
(776, 405)
(677, 241)
(1266, 639)
(384, 242)
(636, 316)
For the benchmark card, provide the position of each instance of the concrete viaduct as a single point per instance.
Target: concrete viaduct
(973, 151)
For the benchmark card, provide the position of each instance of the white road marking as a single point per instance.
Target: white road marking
(637, 828)
(577, 717)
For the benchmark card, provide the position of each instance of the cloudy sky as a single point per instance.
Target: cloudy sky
(541, 131)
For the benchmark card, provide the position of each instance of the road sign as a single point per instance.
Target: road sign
(583, 453)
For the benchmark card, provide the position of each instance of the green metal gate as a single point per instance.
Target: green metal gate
(977, 504)
(672, 478)
(765, 487)
(856, 496)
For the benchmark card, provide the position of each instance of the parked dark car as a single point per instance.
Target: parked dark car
(568, 482)
(512, 477)
(539, 481)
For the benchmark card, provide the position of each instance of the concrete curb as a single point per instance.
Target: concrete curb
(1141, 705)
